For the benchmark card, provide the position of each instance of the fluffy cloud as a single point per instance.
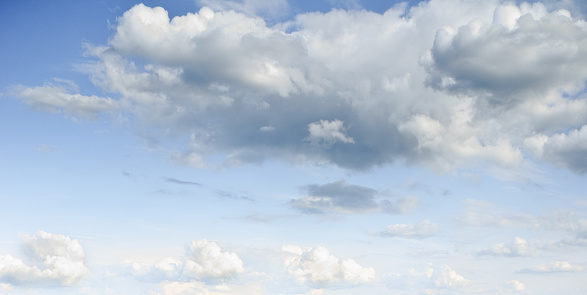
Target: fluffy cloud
(328, 131)
(471, 81)
(62, 261)
(450, 278)
(525, 50)
(317, 266)
(567, 150)
(518, 247)
(557, 266)
(516, 285)
(420, 230)
(341, 196)
(204, 260)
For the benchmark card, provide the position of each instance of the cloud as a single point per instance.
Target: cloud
(341, 196)
(471, 83)
(328, 132)
(271, 10)
(57, 98)
(525, 50)
(421, 230)
(557, 266)
(516, 285)
(182, 182)
(316, 266)
(449, 278)
(57, 260)
(189, 288)
(517, 248)
(206, 259)
(563, 149)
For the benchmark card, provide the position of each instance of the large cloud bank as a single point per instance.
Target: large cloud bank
(446, 83)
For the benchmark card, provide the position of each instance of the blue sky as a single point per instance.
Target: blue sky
(293, 147)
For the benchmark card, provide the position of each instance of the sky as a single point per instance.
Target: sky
(293, 147)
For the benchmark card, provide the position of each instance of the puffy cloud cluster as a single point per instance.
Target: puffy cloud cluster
(341, 196)
(450, 278)
(518, 247)
(317, 266)
(208, 260)
(55, 259)
(204, 260)
(421, 230)
(445, 83)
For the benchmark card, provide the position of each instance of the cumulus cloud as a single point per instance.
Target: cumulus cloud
(204, 260)
(563, 149)
(341, 196)
(449, 278)
(557, 266)
(421, 230)
(56, 259)
(518, 247)
(328, 132)
(474, 81)
(524, 50)
(316, 266)
(516, 285)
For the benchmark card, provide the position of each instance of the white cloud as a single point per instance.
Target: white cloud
(270, 10)
(328, 132)
(58, 98)
(557, 266)
(421, 230)
(518, 247)
(62, 261)
(516, 285)
(317, 266)
(206, 259)
(450, 278)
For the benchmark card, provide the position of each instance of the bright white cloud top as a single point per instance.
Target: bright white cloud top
(336, 147)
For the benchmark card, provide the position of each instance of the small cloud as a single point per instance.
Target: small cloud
(340, 196)
(182, 182)
(450, 278)
(517, 248)
(337, 196)
(316, 266)
(267, 128)
(516, 286)
(229, 195)
(420, 230)
(46, 149)
(329, 132)
(557, 266)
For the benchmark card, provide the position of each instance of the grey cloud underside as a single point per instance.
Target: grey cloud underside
(343, 197)
(352, 88)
